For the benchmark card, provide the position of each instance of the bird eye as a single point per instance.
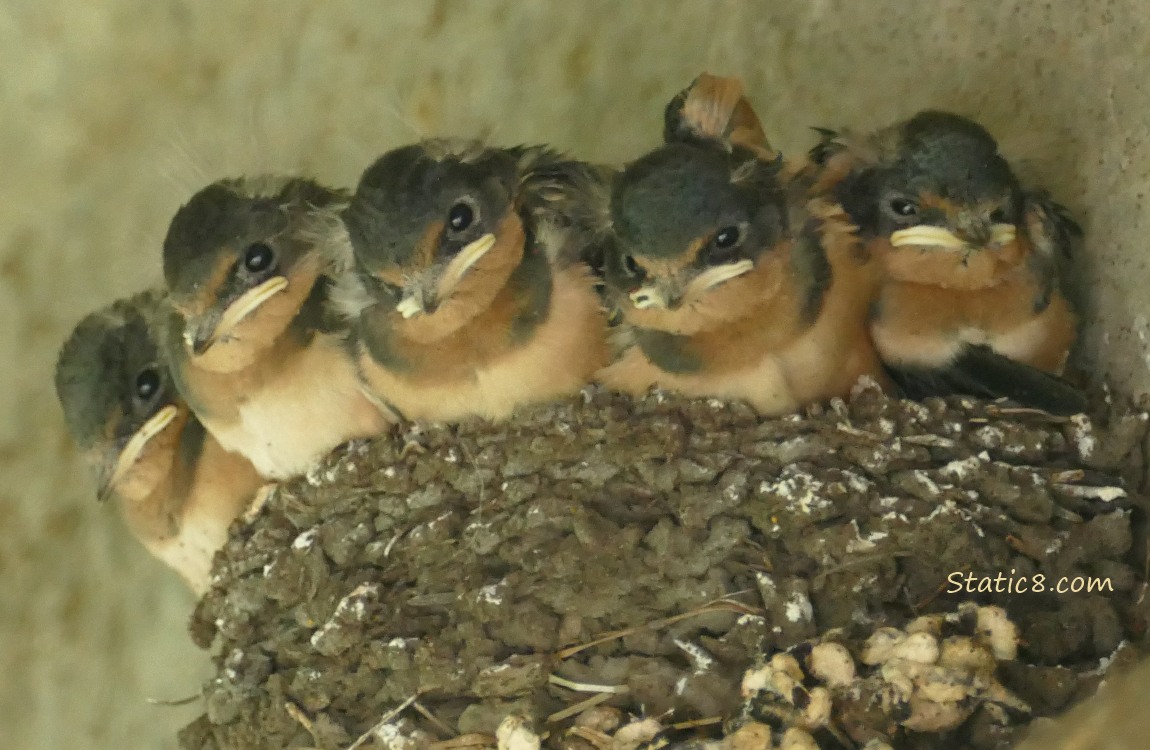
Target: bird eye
(903, 207)
(259, 257)
(460, 217)
(631, 267)
(727, 237)
(998, 216)
(147, 384)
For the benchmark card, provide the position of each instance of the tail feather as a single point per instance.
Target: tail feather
(983, 373)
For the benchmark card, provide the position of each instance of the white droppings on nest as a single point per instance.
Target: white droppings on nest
(389, 472)
(1056, 543)
(1082, 435)
(991, 435)
(886, 426)
(889, 501)
(750, 619)
(305, 540)
(393, 737)
(1105, 662)
(924, 479)
(397, 643)
(798, 608)
(861, 543)
(947, 507)
(1105, 494)
(235, 657)
(962, 469)
(490, 594)
(716, 403)
(700, 659)
(313, 476)
(452, 456)
(268, 568)
(801, 489)
(351, 607)
(917, 410)
(857, 482)
(891, 515)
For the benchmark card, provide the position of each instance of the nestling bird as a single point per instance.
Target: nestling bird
(720, 294)
(253, 345)
(178, 489)
(970, 260)
(468, 295)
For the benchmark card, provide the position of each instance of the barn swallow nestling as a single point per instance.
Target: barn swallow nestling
(179, 490)
(467, 293)
(719, 296)
(970, 261)
(252, 343)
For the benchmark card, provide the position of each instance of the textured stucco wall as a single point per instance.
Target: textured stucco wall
(113, 110)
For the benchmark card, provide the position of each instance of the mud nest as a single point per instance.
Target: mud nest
(601, 563)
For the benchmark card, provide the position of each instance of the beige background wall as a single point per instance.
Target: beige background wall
(112, 111)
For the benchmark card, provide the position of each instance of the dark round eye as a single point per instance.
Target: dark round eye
(998, 216)
(460, 217)
(147, 384)
(903, 207)
(728, 237)
(259, 257)
(631, 267)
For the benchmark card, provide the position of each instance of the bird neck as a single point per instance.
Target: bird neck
(521, 302)
(152, 492)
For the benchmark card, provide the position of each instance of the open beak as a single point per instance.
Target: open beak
(202, 335)
(666, 295)
(924, 235)
(414, 300)
(135, 446)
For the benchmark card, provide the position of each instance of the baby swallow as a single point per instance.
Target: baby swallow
(179, 490)
(467, 292)
(252, 343)
(969, 260)
(720, 295)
